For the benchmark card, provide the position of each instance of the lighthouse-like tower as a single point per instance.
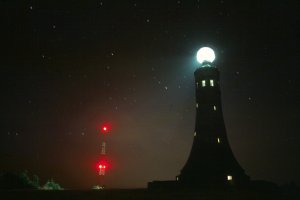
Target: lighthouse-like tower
(211, 161)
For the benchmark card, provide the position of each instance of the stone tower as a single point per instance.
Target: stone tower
(211, 161)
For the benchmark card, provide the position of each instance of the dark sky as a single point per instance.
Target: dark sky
(69, 66)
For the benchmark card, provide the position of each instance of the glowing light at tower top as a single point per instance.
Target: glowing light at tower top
(105, 128)
(205, 54)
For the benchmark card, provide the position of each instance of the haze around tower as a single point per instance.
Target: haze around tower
(66, 68)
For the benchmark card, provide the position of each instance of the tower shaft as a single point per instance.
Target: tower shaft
(211, 161)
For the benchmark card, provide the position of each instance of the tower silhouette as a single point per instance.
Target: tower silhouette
(211, 161)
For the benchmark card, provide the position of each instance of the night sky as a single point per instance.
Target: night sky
(67, 67)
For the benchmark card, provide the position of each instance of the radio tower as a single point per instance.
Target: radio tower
(103, 164)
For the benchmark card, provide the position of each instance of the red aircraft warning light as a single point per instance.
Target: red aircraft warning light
(105, 128)
(102, 166)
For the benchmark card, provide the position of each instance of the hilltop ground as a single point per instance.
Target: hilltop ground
(208, 194)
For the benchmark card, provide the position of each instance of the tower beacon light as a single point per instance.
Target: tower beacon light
(205, 54)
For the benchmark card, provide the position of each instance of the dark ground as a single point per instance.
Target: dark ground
(221, 194)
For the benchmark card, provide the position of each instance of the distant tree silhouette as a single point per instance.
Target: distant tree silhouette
(9, 180)
(51, 185)
(36, 181)
(14, 181)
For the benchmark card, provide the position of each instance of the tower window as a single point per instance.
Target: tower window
(197, 84)
(211, 82)
(229, 178)
(219, 141)
(195, 133)
(196, 105)
(203, 83)
(215, 108)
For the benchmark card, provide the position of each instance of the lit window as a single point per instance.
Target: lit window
(215, 108)
(177, 178)
(219, 141)
(229, 178)
(195, 134)
(203, 83)
(211, 82)
(196, 105)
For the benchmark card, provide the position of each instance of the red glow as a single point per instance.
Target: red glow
(103, 164)
(105, 128)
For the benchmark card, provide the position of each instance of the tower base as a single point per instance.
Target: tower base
(164, 185)
(175, 185)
